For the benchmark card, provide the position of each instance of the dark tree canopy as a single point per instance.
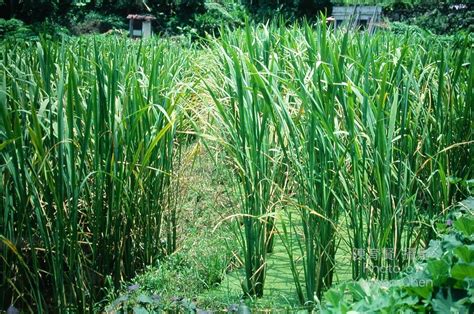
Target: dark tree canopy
(37, 10)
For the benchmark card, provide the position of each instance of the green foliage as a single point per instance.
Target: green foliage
(249, 137)
(371, 141)
(88, 139)
(217, 14)
(364, 139)
(30, 10)
(94, 22)
(179, 278)
(198, 17)
(204, 254)
(439, 22)
(17, 30)
(14, 29)
(202, 260)
(439, 18)
(289, 9)
(442, 283)
(50, 30)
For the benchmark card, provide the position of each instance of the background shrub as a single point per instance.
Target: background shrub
(14, 28)
(95, 22)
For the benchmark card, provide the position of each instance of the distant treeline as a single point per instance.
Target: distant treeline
(173, 16)
(32, 11)
(198, 17)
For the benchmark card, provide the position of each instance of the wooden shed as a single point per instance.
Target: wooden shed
(367, 16)
(140, 25)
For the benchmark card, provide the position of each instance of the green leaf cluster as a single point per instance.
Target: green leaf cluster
(443, 282)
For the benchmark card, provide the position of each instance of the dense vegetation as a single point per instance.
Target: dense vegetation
(350, 126)
(342, 153)
(336, 141)
(197, 17)
(440, 283)
(89, 133)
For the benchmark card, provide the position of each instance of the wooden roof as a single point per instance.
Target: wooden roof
(145, 17)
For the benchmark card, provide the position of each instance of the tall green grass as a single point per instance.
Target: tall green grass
(376, 132)
(316, 154)
(244, 124)
(361, 140)
(88, 139)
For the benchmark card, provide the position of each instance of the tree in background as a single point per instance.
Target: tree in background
(32, 10)
(312, 7)
(297, 8)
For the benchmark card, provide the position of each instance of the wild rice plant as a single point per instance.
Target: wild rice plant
(395, 129)
(315, 153)
(88, 140)
(244, 121)
(377, 134)
(387, 111)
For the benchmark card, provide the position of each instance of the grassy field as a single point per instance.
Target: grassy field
(250, 165)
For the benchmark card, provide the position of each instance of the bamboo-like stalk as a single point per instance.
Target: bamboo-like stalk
(88, 129)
